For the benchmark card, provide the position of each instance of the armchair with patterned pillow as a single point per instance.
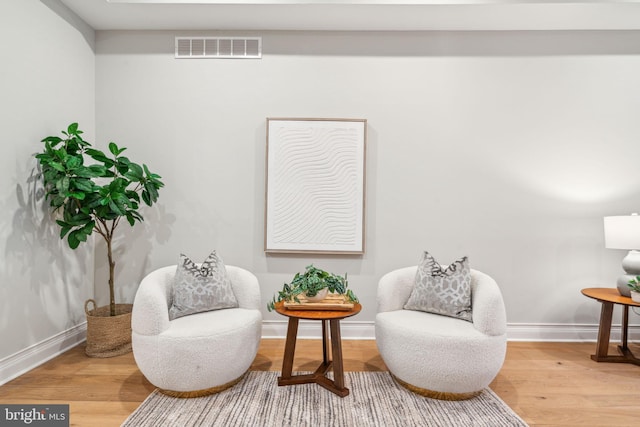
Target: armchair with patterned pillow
(196, 327)
(441, 331)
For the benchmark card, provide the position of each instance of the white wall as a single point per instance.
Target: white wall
(508, 147)
(47, 80)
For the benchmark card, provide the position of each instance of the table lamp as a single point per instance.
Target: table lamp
(623, 232)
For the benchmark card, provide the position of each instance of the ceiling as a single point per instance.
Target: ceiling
(358, 15)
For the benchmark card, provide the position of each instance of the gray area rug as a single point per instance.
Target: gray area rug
(375, 400)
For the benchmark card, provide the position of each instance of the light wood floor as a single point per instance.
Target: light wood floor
(547, 384)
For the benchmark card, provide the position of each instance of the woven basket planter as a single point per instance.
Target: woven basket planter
(108, 336)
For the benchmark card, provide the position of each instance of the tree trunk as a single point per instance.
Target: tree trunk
(112, 266)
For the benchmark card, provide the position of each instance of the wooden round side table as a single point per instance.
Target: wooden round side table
(330, 326)
(608, 297)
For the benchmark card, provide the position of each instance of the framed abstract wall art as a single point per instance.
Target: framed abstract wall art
(315, 185)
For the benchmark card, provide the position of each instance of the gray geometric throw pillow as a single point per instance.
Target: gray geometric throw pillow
(442, 291)
(197, 289)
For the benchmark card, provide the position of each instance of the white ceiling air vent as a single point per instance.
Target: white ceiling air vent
(218, 47)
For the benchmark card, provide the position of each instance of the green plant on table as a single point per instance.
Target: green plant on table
(312, 281)
(634, 284)
(93, 197)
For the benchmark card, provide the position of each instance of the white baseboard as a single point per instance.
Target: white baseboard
(31, 357)
(565, 333)
(309, 329)
(515, 331)
(17, 364)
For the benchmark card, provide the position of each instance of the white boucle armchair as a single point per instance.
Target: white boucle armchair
(438, 356)
(200, 353)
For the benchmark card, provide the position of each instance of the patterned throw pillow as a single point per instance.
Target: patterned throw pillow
(197, 289)
(442, 291)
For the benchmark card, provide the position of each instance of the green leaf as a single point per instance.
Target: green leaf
(85, 172)
(75, 237)
(73, 162)
(88, 228)
(76, 195)
(72, 239)
(72, 129)
(94, 152)
(115, 208)
(113, 148)
(64, 231)
(124, 161)
(57, 201)
(82, 184)
(132, 195)
(135, 172)
(118, 185)
(123, 165)
(130, 218)
(63, 185)
(146, 198)
(99, 156)
(79, 220)
(98, 170)
(153, 191)
(136, 215)
(52, 141)
(57, 166)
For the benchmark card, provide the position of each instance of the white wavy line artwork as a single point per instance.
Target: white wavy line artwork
(315, 185)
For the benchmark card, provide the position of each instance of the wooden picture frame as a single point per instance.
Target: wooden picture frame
(315, 186)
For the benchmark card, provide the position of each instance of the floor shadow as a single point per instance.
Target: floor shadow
(261, 363)
(135, 388)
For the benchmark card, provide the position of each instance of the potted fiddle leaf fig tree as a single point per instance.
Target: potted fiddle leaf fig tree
(91, 192)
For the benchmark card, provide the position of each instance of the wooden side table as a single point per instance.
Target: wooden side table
(609, 297)
(330, 321)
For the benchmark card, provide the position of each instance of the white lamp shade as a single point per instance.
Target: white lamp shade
(622, 232)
